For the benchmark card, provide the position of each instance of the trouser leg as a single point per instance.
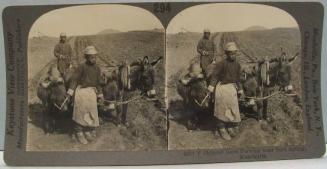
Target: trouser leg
(260, 110)
(90, 133)
(232, 129)
(220, 124)
(46, 121)
(78, 129)
(266, 114)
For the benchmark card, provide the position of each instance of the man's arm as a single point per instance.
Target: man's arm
(214, 52)
(75, 80)
(214, 78)
(70, 53)
(99, 86)
(99, 82)
(199, 47)
(56, 51)
(239, 74)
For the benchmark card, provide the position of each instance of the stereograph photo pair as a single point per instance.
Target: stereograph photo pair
(163, 83)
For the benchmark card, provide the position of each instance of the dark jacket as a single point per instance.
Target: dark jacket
(226, 71)
(208, 46)
(87, 75)
(65, 50)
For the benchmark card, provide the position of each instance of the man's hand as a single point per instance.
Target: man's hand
(241, 94)
(204, 52)
(100, 99)
(288, 89)
(211, 88)
(63, 57)
(70, 92)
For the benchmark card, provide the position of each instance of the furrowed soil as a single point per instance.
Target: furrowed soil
(147, 128)
(286, 127)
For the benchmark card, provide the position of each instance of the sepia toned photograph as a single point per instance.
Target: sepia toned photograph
(95, 80)
(162, 83)
(237, 82)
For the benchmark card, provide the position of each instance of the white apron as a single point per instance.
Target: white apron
(85, 107)
(226, 103)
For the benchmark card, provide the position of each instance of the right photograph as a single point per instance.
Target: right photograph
(233, 77)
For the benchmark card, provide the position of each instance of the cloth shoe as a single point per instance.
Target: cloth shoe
(224, 134)
(81, 138)
(88, 136)
(94, 133)
(231, 132)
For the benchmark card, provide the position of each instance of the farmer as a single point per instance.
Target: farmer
(225, 82)
(86, 84)
(63, 53)
(206, 49)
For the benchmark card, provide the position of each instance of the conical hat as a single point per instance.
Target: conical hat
(231, 46)
(90, 50)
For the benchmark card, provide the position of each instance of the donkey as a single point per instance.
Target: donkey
(52, 93)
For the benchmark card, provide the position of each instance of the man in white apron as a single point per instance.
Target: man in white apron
(225, 83)
(86, 82)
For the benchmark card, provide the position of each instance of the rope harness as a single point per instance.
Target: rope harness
(62, 104)
(202, 102)
(267, 97)
(248, 97)
(124, 102)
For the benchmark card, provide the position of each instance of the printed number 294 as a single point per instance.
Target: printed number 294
(161, 7)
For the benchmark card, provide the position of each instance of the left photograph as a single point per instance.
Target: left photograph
(96, 76)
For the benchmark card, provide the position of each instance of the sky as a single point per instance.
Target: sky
(220, 17)
(91, 19)
(229, 17)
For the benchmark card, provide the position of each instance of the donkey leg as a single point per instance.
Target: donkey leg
(124, 109)
(51, 122)
(259, 110)
(45, 121)
(124, 115)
